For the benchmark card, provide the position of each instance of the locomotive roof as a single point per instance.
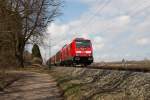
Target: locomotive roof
(80, 39)
(64, 46)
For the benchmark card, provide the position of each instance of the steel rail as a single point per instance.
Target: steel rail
(119, 68)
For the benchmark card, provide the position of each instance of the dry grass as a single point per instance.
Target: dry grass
(7, 79)
(93, 84)
(129, 65)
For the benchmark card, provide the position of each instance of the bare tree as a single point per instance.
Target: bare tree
(28, 21)
(6, 35)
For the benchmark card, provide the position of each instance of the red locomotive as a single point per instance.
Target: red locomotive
(78, 52)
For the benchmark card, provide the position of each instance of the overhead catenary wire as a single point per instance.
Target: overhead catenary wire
(75, 33)
(139, 11)
(99, 10)
(91, 20)
(136, 6)
(132, 14)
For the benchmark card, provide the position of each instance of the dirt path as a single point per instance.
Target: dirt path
(32, 86)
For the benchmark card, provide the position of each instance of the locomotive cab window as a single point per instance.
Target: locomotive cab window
(83, 43)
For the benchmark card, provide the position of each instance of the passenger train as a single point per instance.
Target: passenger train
(78, 52)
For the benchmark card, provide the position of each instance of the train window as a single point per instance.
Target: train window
(83, 43)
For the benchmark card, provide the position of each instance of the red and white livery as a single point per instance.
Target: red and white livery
(78, 52)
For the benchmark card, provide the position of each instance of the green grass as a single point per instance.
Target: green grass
(72, 91)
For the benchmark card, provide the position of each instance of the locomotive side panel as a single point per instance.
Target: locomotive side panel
(58, 58)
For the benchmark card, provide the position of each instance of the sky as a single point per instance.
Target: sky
(117, 28)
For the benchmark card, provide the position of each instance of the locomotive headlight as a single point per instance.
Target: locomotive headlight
(78, 51)
(77, 54)
(77, 58)
(87, 51)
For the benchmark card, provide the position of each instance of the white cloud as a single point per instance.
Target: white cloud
(98, 43)
(143, 41)
(57, 31)
(124, 19)
(113, 27)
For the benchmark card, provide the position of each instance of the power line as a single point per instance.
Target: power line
(134, 14)
(137, 5)
(139, 11)
(90, 17)
(98, 10)
(107, 2)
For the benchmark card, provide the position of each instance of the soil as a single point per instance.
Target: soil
(32, 86)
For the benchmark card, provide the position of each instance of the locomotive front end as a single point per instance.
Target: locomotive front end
(83, 52)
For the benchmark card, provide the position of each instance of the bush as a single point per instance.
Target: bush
(37, 60)
(36, 51)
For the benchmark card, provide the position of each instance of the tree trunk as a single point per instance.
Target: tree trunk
(19, 52)
(19, 58)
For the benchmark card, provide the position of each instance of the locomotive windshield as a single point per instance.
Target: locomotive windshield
(83, 43)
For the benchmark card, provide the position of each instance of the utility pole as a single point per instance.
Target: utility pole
(49, 50)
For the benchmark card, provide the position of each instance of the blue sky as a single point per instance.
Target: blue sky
(72, 10)
(118, 28)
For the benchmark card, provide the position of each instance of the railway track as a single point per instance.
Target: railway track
(134, 68)
(123, 68)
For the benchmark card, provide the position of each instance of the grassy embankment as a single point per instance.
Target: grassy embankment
(93, 84)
